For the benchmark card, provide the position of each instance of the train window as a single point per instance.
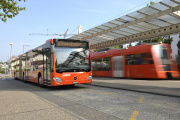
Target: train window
(107, 64)
(147, 58)
(130, 59)
(99, 64)
(139, 59)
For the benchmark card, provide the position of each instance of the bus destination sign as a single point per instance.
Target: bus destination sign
(70, 44)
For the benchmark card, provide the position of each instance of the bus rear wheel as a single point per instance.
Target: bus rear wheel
(40, 81)
(24, 78)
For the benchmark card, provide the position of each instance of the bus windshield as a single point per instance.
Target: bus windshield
(72, 59)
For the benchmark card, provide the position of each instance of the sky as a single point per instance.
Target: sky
(57, 16)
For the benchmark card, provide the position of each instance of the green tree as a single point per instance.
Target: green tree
(130, 44)
(160, 39)
(118, 46)
(9, 9)
(1, 69)
(151, 3)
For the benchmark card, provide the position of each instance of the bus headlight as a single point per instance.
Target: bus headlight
(89, 77)
(57, 79)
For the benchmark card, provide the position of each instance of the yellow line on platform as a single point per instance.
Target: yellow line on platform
(141, 99)
(134, 115)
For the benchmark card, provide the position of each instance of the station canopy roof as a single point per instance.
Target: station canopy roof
(159, 19)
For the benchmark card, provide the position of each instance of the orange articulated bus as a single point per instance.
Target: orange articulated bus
(57, 62)
(141, 61)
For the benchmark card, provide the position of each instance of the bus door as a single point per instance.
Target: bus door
(46, 68)
(118, 66)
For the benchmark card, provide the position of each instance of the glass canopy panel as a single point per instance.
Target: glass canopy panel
(91, 31)
(93, 39)
(158, 22)
(113, 37)
(148, 10)
(138, 28)
(129, 30)
(136, 15)
(122, 33)
(149, 26)
(103, 27)
(85, 33)
(159, 6)
(110, 25)
(115, 34)
(104, 38)
(170, 19)
(170, 3)
(108, 36)
(117, 22)
(96, 29)
(98, 40)
(92, 42)
(126, 18)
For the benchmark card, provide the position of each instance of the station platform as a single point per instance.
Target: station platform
(159, 87)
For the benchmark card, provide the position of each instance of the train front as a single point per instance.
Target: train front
(71, 63)
(166, 65)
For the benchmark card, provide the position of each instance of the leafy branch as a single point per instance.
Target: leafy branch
(9, 9)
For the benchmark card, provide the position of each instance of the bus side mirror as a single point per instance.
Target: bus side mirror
(52, 49)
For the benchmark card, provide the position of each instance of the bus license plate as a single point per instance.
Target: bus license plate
(75, 82)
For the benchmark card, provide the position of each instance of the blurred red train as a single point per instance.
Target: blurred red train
(141, 61)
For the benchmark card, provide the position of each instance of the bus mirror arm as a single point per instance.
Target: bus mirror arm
(52, 49)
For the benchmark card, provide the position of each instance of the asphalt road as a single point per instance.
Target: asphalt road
(27, 101)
